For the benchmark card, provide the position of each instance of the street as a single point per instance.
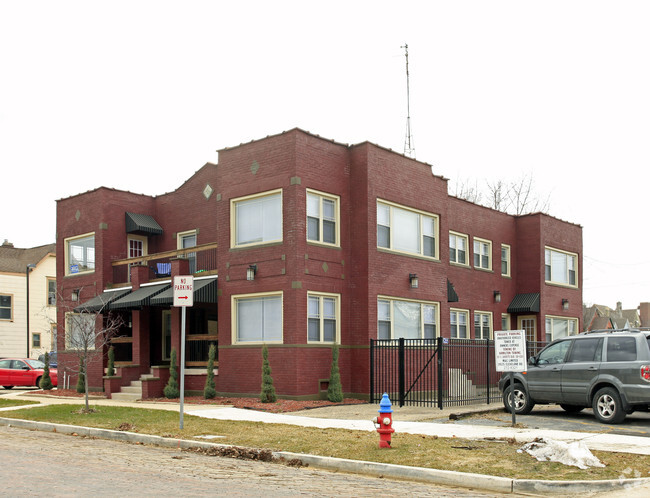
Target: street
(49, 464)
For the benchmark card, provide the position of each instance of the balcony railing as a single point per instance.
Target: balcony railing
(203, 260)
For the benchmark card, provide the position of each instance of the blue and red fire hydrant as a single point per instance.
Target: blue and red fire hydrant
(384, 422)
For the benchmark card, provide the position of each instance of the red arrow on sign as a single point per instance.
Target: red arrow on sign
(183, 297)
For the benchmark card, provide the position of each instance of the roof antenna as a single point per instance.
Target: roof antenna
(409, 146)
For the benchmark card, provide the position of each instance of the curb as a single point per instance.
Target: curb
(435, 476)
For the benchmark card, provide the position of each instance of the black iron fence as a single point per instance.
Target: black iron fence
(436, 372)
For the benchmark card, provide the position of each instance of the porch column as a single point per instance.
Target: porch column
(141, 332)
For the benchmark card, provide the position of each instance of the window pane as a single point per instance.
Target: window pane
(383, 310)
(383, 215)
(621, 349)
(406, 231)
(81, 254)
(259, 220)
(429, 248)
(313, 232)
(313, 332)
(272, 319)
(407, 319)
(329, 210)
(329, 307)
(329, 332)
(383, 236)
(313, 306)
(383, 330)
(313, 205)
(329, 232)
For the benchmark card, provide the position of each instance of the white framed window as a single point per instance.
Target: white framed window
(398, 318)
(505, 260)
(80, 331)
(323, 322)
(458, 321)
(6, 307)
(80, 254)
(36, 340)
(458, 243)
(505, 321)
(323, 218)
(136, 246)
(257, 318)
(185, 240)
(482, 254)
(51, 291)
(560, 267)
(558, 326)
(256, 219)
(407, 230)
(482, 325)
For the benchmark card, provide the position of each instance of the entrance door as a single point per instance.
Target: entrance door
(529, 324)
(166, 334)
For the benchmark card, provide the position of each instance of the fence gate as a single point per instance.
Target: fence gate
(433, 372)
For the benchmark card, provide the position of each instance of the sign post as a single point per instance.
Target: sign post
(510, 356)
(183, 298)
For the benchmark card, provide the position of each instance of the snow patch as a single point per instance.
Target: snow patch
(575, 454)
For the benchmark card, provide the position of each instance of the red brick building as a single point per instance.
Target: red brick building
(300, 242)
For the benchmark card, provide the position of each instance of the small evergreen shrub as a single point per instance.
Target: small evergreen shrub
(334, 390)
(81, 378)
(209, 392)
(110, 370)
(46, 381)
(268, 391)
(172, 390)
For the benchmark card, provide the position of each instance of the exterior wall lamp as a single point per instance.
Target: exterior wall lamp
(251, 271)
(413, 280)
(497, 296)
(565, 304)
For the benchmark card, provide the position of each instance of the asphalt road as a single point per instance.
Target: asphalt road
(553, 417)
(49, 464)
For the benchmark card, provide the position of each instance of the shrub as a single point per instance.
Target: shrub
(334, 390)
(46, 381)
(171, 390)
(209, 391)
(268, 391)
(110, 371)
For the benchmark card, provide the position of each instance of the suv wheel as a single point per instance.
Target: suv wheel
(523, 403)
(607, 406)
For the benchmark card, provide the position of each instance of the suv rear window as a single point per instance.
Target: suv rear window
(621, 349)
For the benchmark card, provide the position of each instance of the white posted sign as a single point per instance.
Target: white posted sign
(510, 350)
(183, 291)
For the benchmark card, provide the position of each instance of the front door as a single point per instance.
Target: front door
(528, 324)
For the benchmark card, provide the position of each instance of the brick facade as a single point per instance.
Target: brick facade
(356, 270)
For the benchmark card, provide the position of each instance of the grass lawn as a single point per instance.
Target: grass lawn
(499, 458)
(5, 403)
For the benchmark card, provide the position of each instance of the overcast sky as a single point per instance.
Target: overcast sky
(138, 95)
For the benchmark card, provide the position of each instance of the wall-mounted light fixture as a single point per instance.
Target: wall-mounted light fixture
(413, 281)
(497, 296)
(565, 304)
(251, 271)
(75, 295)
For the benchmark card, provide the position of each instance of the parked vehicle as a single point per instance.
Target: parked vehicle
(53, 362)
(608, 371)
(23, 372)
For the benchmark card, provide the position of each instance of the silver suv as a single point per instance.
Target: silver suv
(607, 370)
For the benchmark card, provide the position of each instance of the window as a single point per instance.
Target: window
(322, 317)
(185, 240)
(458, 248)
(407, 230)
(322, 218)
(505, 321)
(6, 308)
(482, 254)
(80, 333)
(137, 246)
(586, 350)
(36, 340)
(505, 260)
(257, 318)
(51, 292)
(557, 327)
(555, 353)
(621, 349)
(458, 323)
(406, 319)
(560, 267)
(80, 254)
(256, 219)
(482, 325)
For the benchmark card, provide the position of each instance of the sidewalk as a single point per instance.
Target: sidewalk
(413, 420)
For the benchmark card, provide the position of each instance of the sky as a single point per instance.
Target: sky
(138, 95)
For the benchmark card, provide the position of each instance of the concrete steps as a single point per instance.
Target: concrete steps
(129, 393)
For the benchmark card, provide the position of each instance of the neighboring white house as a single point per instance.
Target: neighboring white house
(15, 269)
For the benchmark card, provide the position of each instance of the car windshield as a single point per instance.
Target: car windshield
(36, 363)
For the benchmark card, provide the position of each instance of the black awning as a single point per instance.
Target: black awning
(452, 295)
(138, 298)
(99, 303)
(525, 303)
(205, 291)
(142, 223)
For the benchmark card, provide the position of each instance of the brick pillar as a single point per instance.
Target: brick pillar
(180, 266)
(139, 275)
(644, 314)
(141, 333)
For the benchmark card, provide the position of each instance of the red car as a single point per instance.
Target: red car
(23, 372)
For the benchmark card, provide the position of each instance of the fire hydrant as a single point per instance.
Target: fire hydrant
(384, 422)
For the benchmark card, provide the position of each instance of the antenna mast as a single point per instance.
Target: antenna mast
(409, 146)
